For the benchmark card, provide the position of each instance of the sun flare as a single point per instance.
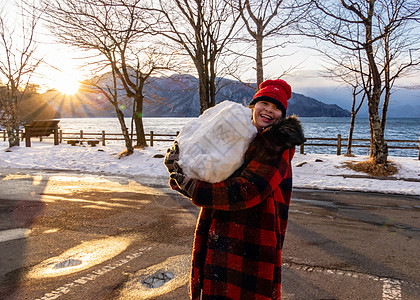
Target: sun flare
(67, 82)
(68, 86)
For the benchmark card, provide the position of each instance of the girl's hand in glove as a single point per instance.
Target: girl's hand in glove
(185, 183)
(171, 157)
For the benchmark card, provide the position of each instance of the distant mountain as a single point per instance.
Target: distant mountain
(404, 103)
(177, 96)
(308, 107)
(181, 95)
(31, 106)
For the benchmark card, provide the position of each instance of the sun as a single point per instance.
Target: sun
(67, 82)
(67, 85)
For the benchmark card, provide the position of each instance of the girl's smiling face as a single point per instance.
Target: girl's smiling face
(265, 114)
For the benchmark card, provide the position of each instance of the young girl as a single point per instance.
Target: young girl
(243, 219)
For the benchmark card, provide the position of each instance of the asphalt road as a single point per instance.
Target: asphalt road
(70, 235)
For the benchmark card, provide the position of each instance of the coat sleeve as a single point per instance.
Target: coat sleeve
(256, 182)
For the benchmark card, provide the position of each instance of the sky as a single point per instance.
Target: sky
(62, 71)
(305, 79)
(313, 171)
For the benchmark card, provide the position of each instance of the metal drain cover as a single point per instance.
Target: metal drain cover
(67, 263)
(157, 279)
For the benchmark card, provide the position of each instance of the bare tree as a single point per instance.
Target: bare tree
(116, 30)
(358, 92)
(17, 65)
(203, 28)
(341, 24)
(348, 67)
(109, 86)
(400, 46)
(268, 20)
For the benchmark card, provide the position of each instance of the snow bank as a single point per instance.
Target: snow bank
(315, 171)
(213, 146)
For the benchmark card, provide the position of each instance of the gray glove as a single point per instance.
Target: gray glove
(171, 157)
(185, 183)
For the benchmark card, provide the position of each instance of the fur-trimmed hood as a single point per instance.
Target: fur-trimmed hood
(270, 143)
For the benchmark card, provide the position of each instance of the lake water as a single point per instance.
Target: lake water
(323, 127)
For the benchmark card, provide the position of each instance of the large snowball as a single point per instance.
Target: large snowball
(212, 146)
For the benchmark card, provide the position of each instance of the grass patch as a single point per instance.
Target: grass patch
(369, 167)
(124, 153)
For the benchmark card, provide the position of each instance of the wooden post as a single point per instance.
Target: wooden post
(339, 144)
(103, 137)
(81, 134)
(27, 137)
(302, 148)
(151, 138)
(56, 141)
(419, 147)
(61, 135)
(4, 135)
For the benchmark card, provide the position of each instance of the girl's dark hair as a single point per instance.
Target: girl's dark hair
(269, 144)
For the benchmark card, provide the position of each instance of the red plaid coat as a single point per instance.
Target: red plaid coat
(243, 220)
(240, 232)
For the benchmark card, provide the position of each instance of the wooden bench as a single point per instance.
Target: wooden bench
(75, 142)
(93, 143)
(40, 128)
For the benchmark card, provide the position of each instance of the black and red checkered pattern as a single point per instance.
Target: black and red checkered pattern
(240, 232)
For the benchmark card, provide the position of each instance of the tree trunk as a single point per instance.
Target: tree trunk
(378, 146)
(259, 57)
(352, 121)
(212, 83)
(203, 79)
(13, 134)
(354, 112)
(203, 89)
(387, 82)
(12, 122)
(138, 121)
(124, 129)
(350, 140)
(385, 107)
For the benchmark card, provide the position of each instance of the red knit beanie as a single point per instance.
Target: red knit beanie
(275, 91)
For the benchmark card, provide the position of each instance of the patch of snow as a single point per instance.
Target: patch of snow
(317, 171)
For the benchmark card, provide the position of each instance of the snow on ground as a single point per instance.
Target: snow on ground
(317, 171)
